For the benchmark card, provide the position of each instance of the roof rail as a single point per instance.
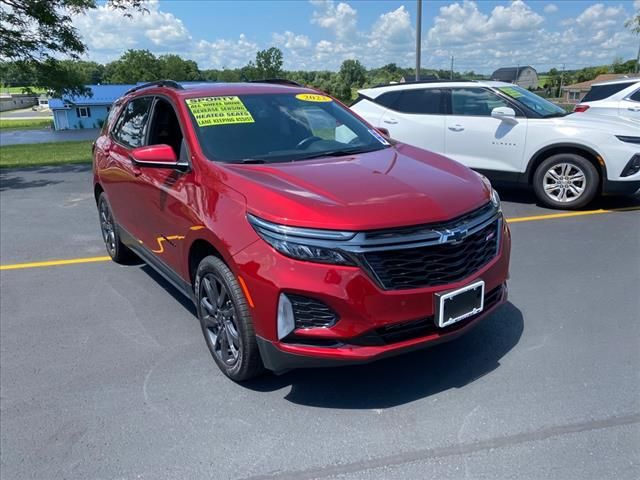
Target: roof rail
(281, 81)
(157, 83)
(416, 82)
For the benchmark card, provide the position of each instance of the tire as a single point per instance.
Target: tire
(117, 250)
(226, 321)
(566, 181)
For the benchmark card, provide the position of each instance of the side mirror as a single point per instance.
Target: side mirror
(156, 156)
(504, 113)
(384, 132)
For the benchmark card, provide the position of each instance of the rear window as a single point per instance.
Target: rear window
(600, 92)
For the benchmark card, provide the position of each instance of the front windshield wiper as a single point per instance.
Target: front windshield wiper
(251, 160)
(337, 153)
(556, 115)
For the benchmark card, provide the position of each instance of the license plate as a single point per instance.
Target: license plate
(452, 307)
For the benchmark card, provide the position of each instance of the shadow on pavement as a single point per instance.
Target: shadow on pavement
(405, 378)
(525, 195)
(12, 182)
(24, 178)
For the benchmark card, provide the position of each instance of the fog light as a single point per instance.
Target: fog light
(632, 167)
(286, 319)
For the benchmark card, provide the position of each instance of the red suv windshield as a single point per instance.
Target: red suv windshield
(278, 128)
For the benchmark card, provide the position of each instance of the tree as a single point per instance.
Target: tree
(633, 24)
(353, 73)
(34, 34)
(135, 66)
(173, 67)
(269, 63)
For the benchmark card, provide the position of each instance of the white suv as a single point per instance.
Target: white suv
(619, 97)
(511, 134)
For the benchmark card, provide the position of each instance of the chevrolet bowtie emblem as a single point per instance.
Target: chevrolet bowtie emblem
(453, 236)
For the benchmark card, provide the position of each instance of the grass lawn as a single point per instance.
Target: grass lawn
(24, 124)
(40, 154)
(19, 90)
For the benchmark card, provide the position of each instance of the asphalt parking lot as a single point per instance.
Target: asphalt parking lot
(105, 374)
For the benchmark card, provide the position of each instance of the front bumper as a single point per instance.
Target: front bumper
(281, 357)
(370, 317)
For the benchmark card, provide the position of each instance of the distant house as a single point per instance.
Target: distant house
(525, 77)
(575, 92)
(85, 111)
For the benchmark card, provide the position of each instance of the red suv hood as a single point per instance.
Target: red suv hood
(396, 186)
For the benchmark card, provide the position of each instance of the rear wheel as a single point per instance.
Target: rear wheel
(226, 321)
(117, 250)
(566, 181)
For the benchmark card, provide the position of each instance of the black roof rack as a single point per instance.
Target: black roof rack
(157, 83)
(280, 81)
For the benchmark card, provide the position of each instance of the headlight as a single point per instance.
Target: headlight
(495, 198)
(309, 244)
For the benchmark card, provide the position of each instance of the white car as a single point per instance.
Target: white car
(510, 134)
(618, 97)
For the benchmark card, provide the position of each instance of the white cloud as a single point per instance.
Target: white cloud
(479, 38)
(340, 19)
(514, 34)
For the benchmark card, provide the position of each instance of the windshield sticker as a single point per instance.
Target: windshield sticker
(210, 111)
(379, 137)
(512, 92)
(313, 97)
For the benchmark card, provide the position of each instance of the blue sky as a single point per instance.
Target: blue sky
(320, 34)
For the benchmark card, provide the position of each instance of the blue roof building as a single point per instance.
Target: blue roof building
(84, 111)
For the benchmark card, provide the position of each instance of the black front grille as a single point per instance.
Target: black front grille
(311, 313)
(434, 265)
(400, 332)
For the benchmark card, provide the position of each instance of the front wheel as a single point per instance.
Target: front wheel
(226, 321)
(566, 181)
(117, 250)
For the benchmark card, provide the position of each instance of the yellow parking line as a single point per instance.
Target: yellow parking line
(534, 218)
(551, 216)
(53, 263)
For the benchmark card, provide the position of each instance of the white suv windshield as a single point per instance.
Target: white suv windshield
(532, 101)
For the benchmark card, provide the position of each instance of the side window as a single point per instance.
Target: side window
(426, 101)
(131, 127)
(165, 128)
(600, 92)
(388, 99)
(635, 96)
(475, 102)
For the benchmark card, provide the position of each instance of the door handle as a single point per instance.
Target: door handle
(456, 128)
(634, 109)
(391, 121)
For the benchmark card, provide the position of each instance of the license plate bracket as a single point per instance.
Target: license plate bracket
(456, 305)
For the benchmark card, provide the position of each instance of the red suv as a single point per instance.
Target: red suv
(304, 236)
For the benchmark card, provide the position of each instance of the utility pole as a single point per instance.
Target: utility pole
(638, 60)
(561, 82)
(418, 39)
(451, 74)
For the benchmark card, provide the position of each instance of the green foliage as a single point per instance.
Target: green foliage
(352, 73)
(134, 66)
(34, 34)
(269, 63)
